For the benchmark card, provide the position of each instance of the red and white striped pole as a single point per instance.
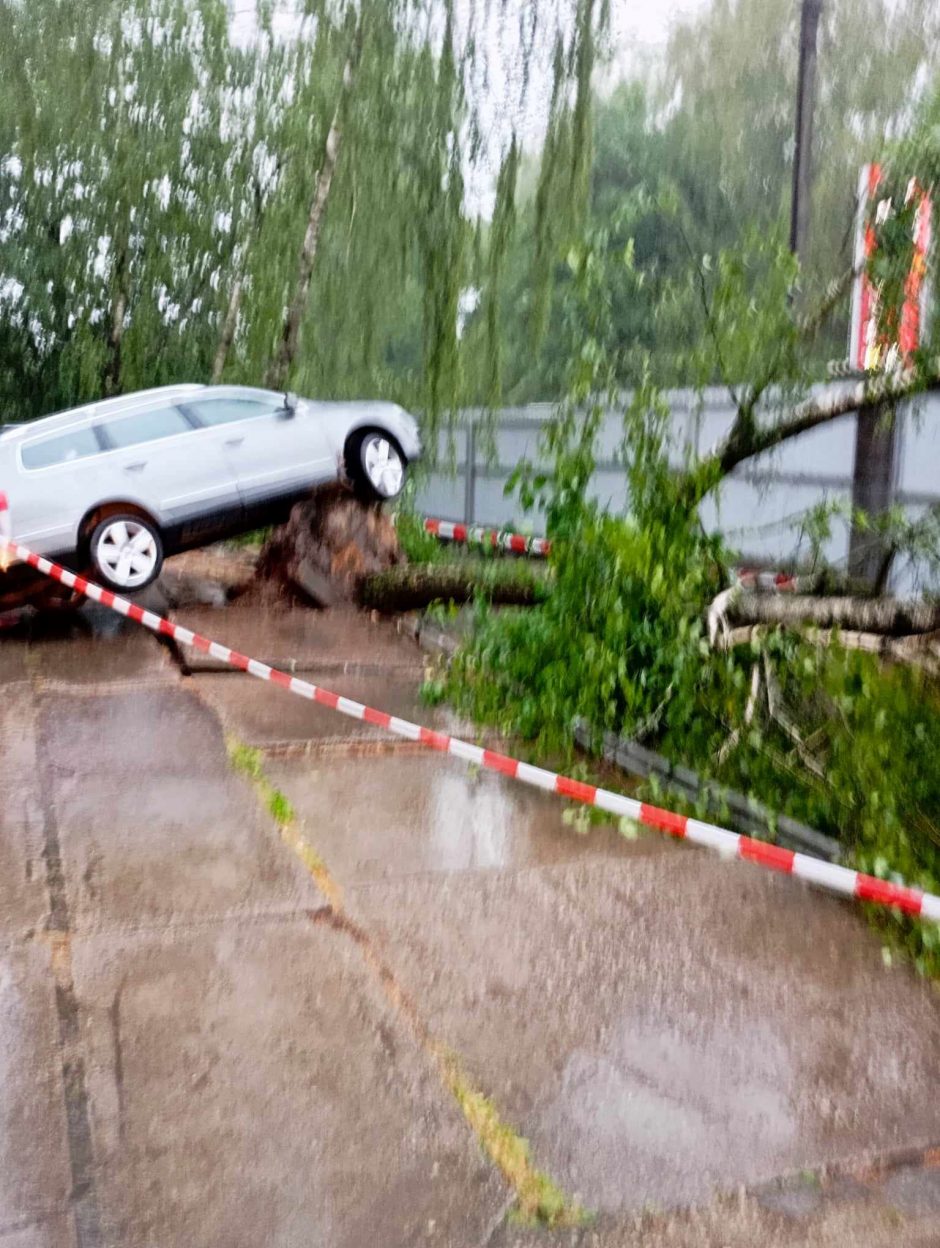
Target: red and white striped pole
(520, 544)
(497, 539)
(728, 844)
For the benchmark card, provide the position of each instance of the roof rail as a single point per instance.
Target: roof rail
(130, 400)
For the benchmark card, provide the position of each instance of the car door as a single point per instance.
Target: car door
(158, 457)
(46, 495)
(274, 453)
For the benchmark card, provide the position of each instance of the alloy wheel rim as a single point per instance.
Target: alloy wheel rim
(127, 552)
(384, 466)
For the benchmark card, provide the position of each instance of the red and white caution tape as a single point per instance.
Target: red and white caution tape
(498, 539)
(729, 844)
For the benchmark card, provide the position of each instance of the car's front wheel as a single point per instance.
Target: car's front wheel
(126, 552)
(376, 465)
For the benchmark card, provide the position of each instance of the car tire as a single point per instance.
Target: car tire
(126, 552)
(376, 465)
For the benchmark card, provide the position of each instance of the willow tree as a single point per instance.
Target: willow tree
(114, 187)
(365, 246)
(179, 205)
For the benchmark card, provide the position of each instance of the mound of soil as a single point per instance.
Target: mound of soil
(332, 542)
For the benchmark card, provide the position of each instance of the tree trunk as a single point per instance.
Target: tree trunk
(411, 587)
(112, 377)
(884, 616)
(280, 367)
(873, 485)
(747, 438)
(228, 331)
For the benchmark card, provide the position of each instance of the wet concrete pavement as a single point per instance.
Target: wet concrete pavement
(197, 1049)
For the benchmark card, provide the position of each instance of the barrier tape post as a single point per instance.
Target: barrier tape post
(836, 879)
(520, 544)
(498, 539)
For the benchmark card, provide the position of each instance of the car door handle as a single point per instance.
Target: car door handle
(234, 441)
(139, 467)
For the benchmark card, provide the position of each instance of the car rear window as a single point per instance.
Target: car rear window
(60, 450)
(227, 411)
(161, 422)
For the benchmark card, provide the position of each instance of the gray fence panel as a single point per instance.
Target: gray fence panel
(809, 470)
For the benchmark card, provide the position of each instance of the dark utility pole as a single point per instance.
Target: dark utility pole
(805, 100)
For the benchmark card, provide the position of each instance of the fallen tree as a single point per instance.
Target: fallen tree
(408, 588)
(888, 617)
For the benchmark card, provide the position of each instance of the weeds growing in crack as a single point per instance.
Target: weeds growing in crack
(249, 762)
(539, 1200)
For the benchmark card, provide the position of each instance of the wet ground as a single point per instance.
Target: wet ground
(270, 977)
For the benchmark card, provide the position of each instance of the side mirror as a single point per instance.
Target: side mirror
(290, 406)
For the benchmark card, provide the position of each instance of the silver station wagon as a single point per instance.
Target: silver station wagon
(121, 483)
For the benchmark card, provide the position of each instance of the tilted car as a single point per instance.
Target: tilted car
(122, 483)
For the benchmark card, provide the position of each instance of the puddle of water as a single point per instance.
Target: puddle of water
(667, 1114)
(432, 814)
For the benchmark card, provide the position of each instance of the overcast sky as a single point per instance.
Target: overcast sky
(639, 30)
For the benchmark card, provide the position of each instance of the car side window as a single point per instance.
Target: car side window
(161, 422)
(211, 412)
(60, 450)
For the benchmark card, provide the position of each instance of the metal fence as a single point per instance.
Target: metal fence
(759, 505)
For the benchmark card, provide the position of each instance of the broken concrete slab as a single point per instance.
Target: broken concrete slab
(265, 716)
(299, 640)
(665, 1027)
(432, 814)
(105, 655)
(152, 823)
(35, 1179)
(207, 578)
(317, 585)
(251, 1085)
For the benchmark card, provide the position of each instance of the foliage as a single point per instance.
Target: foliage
(834, 739)
(631, 590)
(417, 545)
(844, 749)
(702, 152)
(157, 177)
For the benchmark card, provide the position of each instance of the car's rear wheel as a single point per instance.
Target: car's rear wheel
(376, 465)
(126, 552)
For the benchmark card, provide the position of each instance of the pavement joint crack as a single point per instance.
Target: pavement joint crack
(58, 936)
(538, 1200)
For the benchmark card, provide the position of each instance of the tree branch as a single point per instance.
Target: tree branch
(887, 616)
(744, 443)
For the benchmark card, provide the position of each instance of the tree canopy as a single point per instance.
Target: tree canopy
(175, 204)
(693, 156)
